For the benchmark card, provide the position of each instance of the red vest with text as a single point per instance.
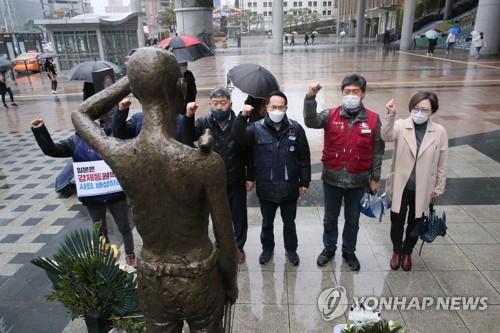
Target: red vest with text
(349, 147)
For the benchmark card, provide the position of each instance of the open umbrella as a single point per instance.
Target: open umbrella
(315, 33)
(431, 34)
(5, 64)
(186, 48)
(253, 79)
(454, 30)
(44, 56)
(83, 71)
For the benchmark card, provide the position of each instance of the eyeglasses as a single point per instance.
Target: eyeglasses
(417, 109)
(351, 91)
(221, 103)
(277, 108)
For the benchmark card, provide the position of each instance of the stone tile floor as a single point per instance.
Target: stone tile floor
(278, 297)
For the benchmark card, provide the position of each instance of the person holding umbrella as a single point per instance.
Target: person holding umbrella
(313, 36)
(51, 72)
(432, 36)
(191, 90)
(418, 170)
(236, 158)
(4, 89)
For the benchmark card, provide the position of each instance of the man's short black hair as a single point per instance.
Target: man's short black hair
(220, 92)
(355, 80)
(277, 93)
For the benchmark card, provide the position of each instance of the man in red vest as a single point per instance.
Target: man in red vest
(352, 160)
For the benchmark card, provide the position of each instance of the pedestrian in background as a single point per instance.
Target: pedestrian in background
(51, 73)
(5, 89)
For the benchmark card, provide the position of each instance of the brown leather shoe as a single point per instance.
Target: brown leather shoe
(395, 261)
(406, 262)
(241, 256)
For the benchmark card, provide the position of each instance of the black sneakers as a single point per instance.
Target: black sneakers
(293, 258)
(265, 256)
(325, 256)
(352, 261)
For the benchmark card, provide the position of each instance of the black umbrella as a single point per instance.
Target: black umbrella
(5, 64)
(83, 71)
(432, 226)
(253, 79)
(44, 56)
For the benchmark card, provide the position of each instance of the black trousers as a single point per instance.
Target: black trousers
(288, 211)
(405, 246)
(119, 211)
(7, 90)
(54, 84)
(237, 196)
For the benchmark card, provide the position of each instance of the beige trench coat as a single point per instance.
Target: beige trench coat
(430, 173)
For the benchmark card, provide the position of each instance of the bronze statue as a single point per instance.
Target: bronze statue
(172, 189)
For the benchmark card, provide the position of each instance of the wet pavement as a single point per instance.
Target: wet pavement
(278, 297)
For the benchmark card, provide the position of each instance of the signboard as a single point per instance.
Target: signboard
(95, 178)
(103, 79)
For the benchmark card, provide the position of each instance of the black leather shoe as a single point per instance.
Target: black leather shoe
(325, 256)
(293, 258)
(265, 256)
(352, 261)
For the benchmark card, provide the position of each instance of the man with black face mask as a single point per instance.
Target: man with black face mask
(236, 158)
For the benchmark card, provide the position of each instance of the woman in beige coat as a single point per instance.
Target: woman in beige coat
(418, 170)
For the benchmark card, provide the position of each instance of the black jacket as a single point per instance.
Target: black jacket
(236, 158)
(276, 192)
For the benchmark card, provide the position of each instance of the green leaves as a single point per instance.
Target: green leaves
(86, 277)
(383, 326)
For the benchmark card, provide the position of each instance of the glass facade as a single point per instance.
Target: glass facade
(117, 44)
(75, 47)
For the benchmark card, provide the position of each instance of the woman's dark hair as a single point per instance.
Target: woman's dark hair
(88, 90)
(355, 80)
(277, 93)
(255, 102)
(420, 96)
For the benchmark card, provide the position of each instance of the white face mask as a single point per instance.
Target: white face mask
(276, 116)
(419, 117)
(351, 101)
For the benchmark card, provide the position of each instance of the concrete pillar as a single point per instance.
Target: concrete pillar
(194, 18)
(487, 18)
(100, 46)
(360, 21)
(137, 7)
(277, 26)
(407, 29)
(338, 17)
(448, 6)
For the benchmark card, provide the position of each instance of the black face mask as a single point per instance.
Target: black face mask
(220, 114)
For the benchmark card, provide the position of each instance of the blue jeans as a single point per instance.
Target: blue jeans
(333, 201)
